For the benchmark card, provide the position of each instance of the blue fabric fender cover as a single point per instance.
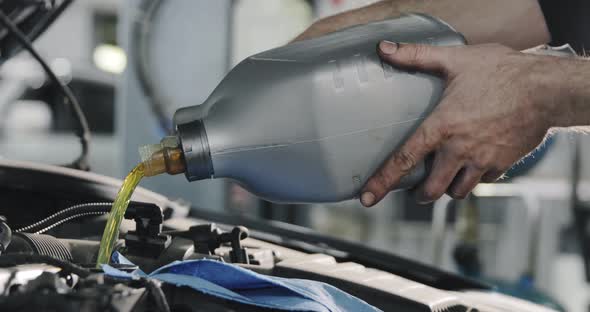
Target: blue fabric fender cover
(231, 282)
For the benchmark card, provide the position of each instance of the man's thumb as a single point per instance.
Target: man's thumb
(415, 56)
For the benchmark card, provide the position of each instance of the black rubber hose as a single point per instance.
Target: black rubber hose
(11, 260)
(49, 19)
(39, 22)
(157, 294)
(139, 50)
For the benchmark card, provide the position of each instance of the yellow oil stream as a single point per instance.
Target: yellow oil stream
(111, 230)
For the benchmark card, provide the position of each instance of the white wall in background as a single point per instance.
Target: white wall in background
(71, 35)
(68, 39)
(330, 7)
(571, 287)
(260, 25)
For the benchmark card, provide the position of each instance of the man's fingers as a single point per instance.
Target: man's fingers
(465, 182)
(444, 170)
(428, 136)
(416, 56)
(424, 140)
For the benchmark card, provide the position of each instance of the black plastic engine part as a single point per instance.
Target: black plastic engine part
(5, 235)
(147, 240)
(208, 237)
(76, 250)
(204, 237)
(42, 245)
(96, 293)
(47, 282)
(238, 254)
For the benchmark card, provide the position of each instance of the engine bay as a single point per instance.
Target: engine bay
(52, 227)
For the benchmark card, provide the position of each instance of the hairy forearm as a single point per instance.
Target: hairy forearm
(518, 24)
(573, 93)
(371, 13)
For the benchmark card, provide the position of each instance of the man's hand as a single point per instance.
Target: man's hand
(498, 105)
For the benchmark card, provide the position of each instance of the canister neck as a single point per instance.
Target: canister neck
(195, 147)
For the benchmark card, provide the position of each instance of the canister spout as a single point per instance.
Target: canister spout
(166, 157)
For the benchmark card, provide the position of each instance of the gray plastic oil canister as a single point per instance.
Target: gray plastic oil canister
(311, 121)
